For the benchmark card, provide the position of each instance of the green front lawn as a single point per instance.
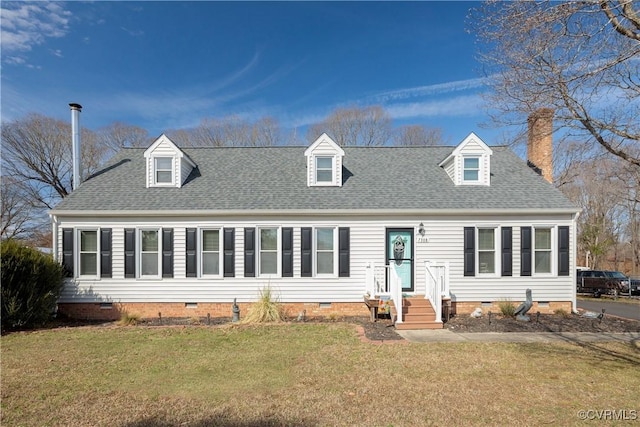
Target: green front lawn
(301, 374)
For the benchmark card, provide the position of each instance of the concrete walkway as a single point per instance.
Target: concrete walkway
(445, 335)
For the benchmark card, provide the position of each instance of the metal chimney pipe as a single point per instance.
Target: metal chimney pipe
(75, 140)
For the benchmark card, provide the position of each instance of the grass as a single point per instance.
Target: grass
(302, 375)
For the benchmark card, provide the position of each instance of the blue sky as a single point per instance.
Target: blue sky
(167, 65)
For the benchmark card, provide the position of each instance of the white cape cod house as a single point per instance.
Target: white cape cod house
(185, 232)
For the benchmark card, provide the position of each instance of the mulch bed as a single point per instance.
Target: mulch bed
(383, 330)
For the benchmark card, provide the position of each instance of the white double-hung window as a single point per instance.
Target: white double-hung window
(268, 250)
(150, 252)
(471, 169)
(89, 254)
(487, 251)
(543, 250)
(210, 252)
(163, 170)
(324, 170)
(325, 251)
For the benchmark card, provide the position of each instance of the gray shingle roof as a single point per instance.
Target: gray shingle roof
(274, 178)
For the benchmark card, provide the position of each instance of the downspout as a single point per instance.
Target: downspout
(54, 237)
(574, 301)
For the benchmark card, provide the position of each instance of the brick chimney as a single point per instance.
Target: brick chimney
(540, 142)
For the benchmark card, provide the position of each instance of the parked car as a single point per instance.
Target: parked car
(635, 286)
(599, 282)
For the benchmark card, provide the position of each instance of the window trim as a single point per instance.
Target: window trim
(200, 252)
(478, 169)
(139, 253)
(497, 267)
(332, 182)
(553, 250)
(278, 251)
(335, 250)
(79, 253)
(172, 170)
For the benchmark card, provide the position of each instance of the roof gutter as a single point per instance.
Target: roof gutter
(314, 212)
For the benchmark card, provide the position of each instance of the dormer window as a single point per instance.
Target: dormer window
(166, 164)
(164, 170)
(324, 163)
(324, 170)
(469, 163)
(471, 169)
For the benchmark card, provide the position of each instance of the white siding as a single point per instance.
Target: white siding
(185, 169)
(444, 244)
(450, 169)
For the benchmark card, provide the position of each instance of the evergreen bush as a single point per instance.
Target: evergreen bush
(31, 283)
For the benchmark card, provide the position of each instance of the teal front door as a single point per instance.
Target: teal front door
(399, 243)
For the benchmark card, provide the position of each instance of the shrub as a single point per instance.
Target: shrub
(266, 309)
(561, 312)
(128, 319)
(507, 308)
(31, 284)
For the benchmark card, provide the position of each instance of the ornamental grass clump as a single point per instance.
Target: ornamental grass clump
(129, 319)
(507, 308)
(266, 309)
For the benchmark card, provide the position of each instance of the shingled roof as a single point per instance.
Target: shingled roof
(274, 178)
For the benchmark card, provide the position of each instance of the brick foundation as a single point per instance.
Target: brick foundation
(102, 311)
(494, 307)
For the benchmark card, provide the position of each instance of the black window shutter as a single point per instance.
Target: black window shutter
(229, 244)
(343, 251)
(306, 269)
(563, 251)
(249, 252)
(287, 252)
(191, 261)
(105, 252)
(507, 251)
(67, 250)
(469, 251)
(525, 251)
(167, 252)
(129, 252)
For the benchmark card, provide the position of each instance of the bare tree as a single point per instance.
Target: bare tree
(36, 151)
(416, 135)
(16, 210)
(580, 58)
(603, 220)
(366, 126)
(118, 135)
(230, 131)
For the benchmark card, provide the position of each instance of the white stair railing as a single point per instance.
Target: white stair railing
(396, 291)
(437, 285)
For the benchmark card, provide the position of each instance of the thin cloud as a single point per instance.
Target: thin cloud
(430, 90)
(458, 106)
(25, 25)
(133, 33)
(56, 52)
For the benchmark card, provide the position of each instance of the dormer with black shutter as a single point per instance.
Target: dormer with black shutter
(167, 165)
(469, 163)
(324, 163)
